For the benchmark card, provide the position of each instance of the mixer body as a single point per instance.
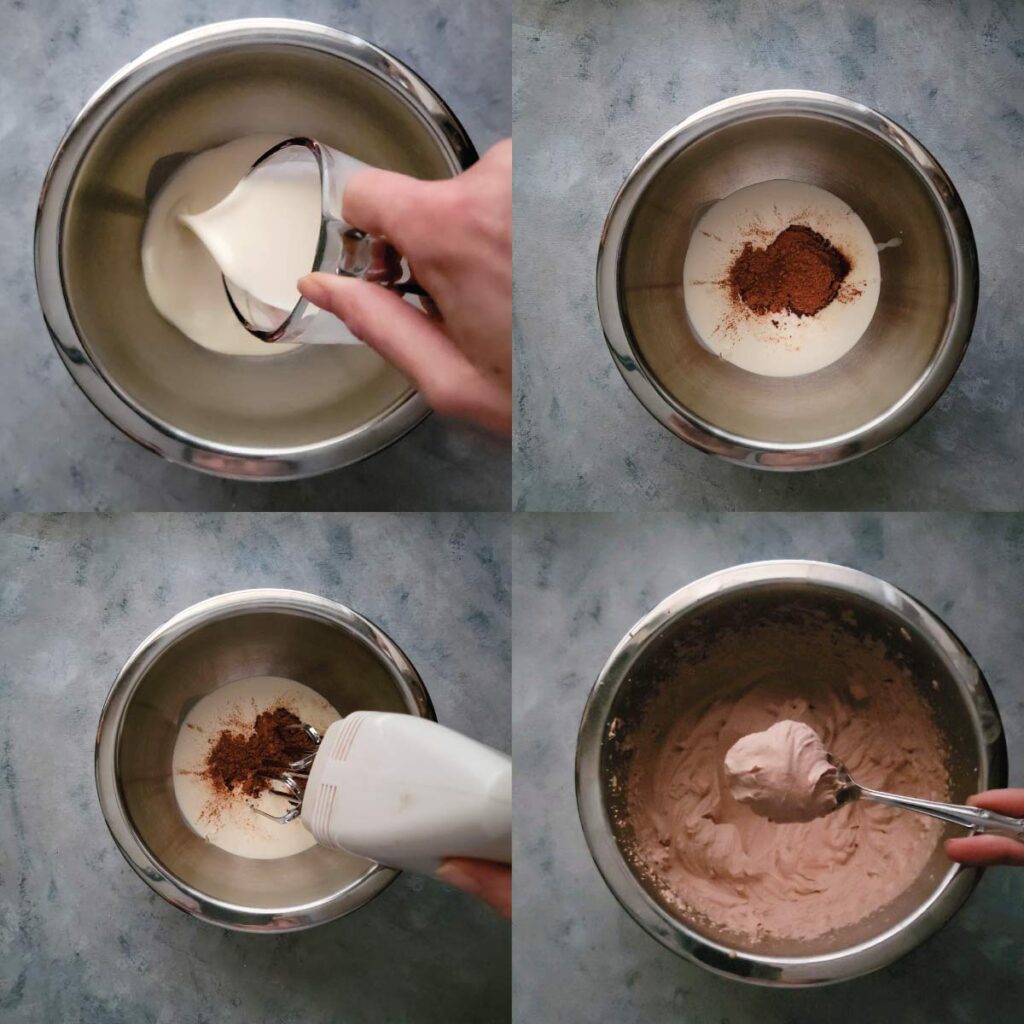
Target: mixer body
(408, 793)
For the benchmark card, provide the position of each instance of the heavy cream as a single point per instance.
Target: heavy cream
(218, 218)
(182, 277)
(228, 820)
(778, 344)
(264, 233)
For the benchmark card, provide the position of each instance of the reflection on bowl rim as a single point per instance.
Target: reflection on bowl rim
(153, 433)
(108, 738)
(748, 451)
(756, 968)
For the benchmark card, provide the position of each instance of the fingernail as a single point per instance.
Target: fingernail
(459, 877)
(310, 287)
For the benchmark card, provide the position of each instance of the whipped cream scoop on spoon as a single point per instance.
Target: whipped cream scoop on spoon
(783, 773)
(786, 774)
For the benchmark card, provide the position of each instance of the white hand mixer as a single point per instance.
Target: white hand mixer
(400, 790)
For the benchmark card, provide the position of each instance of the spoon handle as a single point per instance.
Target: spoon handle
(977, 818)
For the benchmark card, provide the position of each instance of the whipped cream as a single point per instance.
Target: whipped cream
(783, 773)
(709, 855)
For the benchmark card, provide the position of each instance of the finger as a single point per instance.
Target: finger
(985, 851)
(1003, 801)
(499, 155)
(416, 346)
(386, 203)
(484, 879)
(407, 338)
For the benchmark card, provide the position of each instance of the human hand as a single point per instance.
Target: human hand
(457, 236)
(983, 851)
(484, 879)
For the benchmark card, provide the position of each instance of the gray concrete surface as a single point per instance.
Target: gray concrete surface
(580, 583)
(596, 82)
(83, 940)
(58, 453)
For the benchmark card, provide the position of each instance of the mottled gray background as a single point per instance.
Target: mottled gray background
(580, 583)
(58, 453)
(596, 82)
(82, 938)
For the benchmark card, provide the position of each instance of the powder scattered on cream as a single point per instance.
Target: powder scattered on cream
(783, 773)
(228, 820)
(779, 344)
(711, 856)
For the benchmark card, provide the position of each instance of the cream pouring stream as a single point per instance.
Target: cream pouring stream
(265, 234)
(236, 236)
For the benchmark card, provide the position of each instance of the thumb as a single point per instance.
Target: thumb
(403, 335)
(485, 879)
(983, 850)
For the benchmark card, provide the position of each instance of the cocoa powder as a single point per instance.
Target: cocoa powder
(246, 762)
(799, 272)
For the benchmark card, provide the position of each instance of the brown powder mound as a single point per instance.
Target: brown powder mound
(800, 271)
(246, 763)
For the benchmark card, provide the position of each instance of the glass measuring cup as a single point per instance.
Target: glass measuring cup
(340, 249)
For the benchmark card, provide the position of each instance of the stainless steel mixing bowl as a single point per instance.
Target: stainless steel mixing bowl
(286, 415)
(324, 645)
(783, 594)
(925, 313)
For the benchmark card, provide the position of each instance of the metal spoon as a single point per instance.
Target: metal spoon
(977, 818)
